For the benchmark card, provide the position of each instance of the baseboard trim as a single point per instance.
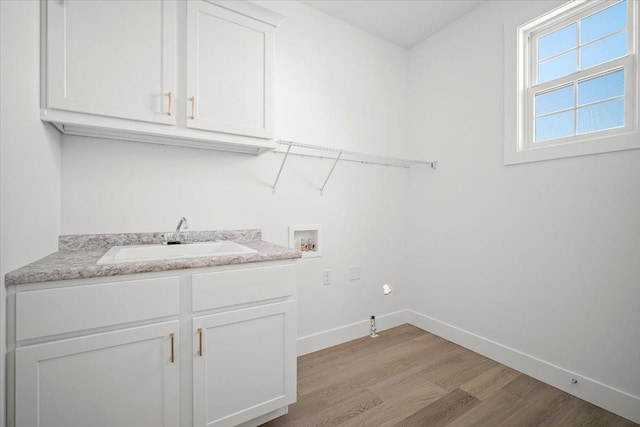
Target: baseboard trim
(607, 397)
(342, 334)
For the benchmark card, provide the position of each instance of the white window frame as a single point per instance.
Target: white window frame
(521, 35)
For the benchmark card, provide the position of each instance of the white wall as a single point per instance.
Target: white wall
(335, 86)
(540, 257)
(29, 156)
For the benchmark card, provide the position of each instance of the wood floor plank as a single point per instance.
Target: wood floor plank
(409, 377)
(301, 410)
(487, 383)
(418, 383)
(529, 388)
(542, 400)
(441, 412)
(492, 411)
(368, 351)
(397, 403)
(390, 365)
(386, 362)
(341, 412)
(579, 412)
(469, 369)
(414, 376)
(344, 353)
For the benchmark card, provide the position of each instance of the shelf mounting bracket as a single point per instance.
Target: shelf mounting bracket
(309, 150)
(330, 172)
(273, 188)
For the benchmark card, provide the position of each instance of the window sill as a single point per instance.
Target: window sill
(597, 145)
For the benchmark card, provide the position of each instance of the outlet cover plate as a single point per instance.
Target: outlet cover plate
(326, 277)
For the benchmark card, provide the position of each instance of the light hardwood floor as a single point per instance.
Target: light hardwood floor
(409, 377)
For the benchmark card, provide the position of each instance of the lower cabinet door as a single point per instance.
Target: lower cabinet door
(245, 364)
(125, 378)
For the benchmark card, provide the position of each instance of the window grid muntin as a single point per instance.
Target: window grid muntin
(576, 17)
(544, 92)
(613, 4)
(562, 52)
(575, 83)
(627, 63)
(609, 36)
(583, 107)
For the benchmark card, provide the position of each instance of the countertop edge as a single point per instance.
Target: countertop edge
(81, 264)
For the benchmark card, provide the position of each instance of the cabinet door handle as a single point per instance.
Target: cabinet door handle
(193, 107)
(169, 110)
(200, 342)
(172, 336)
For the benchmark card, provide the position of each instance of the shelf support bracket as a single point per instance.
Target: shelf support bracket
(330, 172)
(273, 188)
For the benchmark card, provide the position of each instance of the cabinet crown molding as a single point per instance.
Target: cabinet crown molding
(251, 10)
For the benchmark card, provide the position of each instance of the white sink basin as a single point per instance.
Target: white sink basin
(140, 253)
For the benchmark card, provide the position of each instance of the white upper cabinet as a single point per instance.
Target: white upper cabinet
(195, 73)
(229, 68)
(114, 59)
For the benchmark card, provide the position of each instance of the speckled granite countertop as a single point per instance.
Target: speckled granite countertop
(77, 256)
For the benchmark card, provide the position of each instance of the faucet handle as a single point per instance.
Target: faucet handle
(182, 223)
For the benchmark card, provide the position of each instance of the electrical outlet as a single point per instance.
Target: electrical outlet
(355, 272)
(326, 277)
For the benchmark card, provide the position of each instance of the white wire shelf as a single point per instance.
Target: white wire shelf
(340, 155)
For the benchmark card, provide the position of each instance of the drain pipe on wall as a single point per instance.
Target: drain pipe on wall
(386, 290)
(373, 327)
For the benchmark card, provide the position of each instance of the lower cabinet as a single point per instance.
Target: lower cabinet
(214, 348)
(125, 378)
(243, 364)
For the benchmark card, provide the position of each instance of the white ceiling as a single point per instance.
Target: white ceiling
(403, 22)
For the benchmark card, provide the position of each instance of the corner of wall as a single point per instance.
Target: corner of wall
(30, 169)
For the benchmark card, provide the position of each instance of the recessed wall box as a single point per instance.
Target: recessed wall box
(306, 238)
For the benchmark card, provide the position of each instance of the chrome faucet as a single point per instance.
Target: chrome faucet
(181, 236)
(183, 222)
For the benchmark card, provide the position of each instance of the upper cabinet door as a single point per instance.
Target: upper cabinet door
(112, 58)
(229, 69)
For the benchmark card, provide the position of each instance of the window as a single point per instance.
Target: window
(576, 90)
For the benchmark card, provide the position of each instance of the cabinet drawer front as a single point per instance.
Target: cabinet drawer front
(226, 288)
(55, 311)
